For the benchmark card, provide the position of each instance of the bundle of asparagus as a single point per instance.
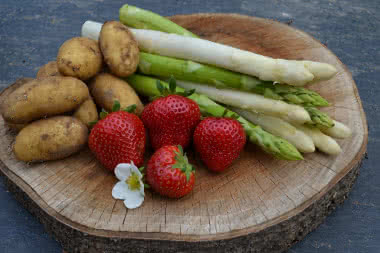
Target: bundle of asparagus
(265, 94)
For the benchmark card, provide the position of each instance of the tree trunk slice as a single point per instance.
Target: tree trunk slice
(260, 205)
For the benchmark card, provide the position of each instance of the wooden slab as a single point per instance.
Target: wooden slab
(260, 205)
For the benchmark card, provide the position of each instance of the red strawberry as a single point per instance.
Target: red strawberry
(171, 120)
(169, 172)
(219, 142)
(118, 138)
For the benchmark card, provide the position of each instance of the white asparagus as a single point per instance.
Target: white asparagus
(339, 130)
(281, 128)
(292, 72)
(323, 142)
(91, 29)
(250, 101)
(321, 71)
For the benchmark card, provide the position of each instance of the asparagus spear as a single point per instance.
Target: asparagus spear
(280, 128)
(276, 146)
(292, 72)
(163, 66)
(250, 102)
(339, 130)
(319, 119)
(323, 142)
(143, 19)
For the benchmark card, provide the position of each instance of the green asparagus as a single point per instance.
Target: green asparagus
(143, 19)
(319, 119)
(157, 65)
(274, 145)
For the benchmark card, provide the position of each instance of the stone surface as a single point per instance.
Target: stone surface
(32, 31)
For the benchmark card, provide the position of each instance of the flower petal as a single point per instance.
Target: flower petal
(123, 171)
(134, 199)
(120, 190)
(136, 170)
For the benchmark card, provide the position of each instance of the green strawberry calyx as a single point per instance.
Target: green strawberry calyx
(165, 91)
(141, 169)
(115, 108)
(182, 163)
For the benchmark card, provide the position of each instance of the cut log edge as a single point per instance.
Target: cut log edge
(275, 238)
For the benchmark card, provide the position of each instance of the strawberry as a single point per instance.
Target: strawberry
(219, 142)
(171, 120)
(119, 137)
(169, 172)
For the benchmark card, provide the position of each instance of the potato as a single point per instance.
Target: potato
(119, 48)
(49, 69)
(50, 139)
(7, 91)
(80, 57)
(106, 88)
(87, 112)
(44, 97)
(18, 83)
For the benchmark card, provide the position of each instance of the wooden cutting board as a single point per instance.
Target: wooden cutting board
(260, 205)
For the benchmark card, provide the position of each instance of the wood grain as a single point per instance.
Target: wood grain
(261, 204)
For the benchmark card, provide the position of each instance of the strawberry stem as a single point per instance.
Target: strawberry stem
(92, 123)
(116, 106)
(172, 84)
(103, 114)
(164, 91)
(130, 109)
(160, 87)
(182, 163)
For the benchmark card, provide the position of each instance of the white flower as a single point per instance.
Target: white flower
(131, 187)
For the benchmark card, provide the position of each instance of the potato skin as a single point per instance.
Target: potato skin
(50, 139)
(119, 48)
(18, 83)
(106, 88)
(87, 112)
(7, 91)
(79, 57)
(43, 98)
(49, 69)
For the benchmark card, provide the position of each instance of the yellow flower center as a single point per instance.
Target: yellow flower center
(133, 182)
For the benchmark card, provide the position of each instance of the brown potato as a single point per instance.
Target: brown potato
(87, 112)
(119, 48)
(18, 83)
(106, 88)
(80, 57)
(7, 91)
(43, 98)
(50, 139)
(49, 69)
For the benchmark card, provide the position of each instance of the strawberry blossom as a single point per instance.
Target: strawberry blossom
(130, 187)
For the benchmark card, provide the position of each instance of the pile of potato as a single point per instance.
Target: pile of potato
(53, 112)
